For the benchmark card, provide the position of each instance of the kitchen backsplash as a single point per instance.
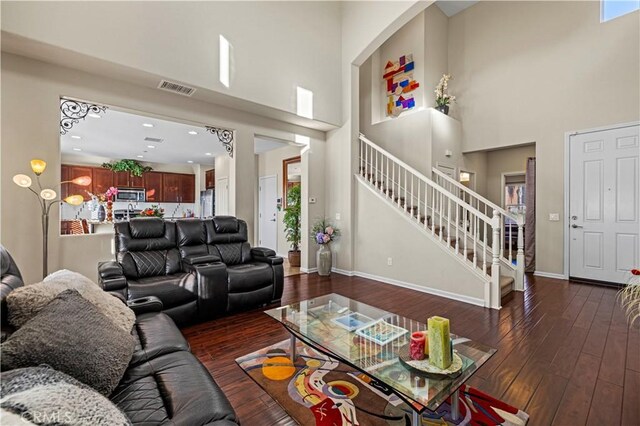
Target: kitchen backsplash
(83, 211)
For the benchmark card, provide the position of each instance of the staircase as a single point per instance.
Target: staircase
(465, 224)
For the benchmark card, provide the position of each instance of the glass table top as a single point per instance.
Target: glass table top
(335, 324)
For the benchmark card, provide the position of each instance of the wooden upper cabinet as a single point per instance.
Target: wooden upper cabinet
(188, 189)
(102, 180)
(152, 182)
(71, 173)
(210, 179)
(171, 187)
(120, 179)
(136, 181)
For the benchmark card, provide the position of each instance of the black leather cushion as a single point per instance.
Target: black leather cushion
(214, 237)
(149, 263)
(172, 290)
(11, 279)
(147, 227)
(225, 224)
(249, 276)
(191, 232)
(156, 334)
(199, 259)
(173, 388)
(230, 254)
(141, 234)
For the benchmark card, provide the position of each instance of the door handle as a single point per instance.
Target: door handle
(272, 220)
(577, 226)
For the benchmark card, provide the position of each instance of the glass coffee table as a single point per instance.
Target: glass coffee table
(333, 324)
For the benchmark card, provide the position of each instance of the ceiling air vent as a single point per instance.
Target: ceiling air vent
(178, 88)
(156, 140)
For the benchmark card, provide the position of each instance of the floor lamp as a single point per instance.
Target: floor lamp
(47, 198)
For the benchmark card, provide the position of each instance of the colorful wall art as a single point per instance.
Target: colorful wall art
(400, 83)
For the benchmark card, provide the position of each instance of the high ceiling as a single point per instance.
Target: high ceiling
(452, 7)
(119, 134)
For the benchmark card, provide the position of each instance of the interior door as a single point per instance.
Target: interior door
(268, 212)
(222, 196)
(604, 204)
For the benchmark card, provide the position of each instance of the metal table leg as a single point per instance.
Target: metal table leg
(455, 406)
(415, 421)
(293, 348)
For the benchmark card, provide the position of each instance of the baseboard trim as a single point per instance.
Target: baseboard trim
(550, 275)
(422, 289)
(308, 271)
(342, 272)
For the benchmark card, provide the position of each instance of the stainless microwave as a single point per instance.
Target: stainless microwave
(131, 195)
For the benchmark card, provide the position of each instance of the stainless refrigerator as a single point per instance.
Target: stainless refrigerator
(207, 203)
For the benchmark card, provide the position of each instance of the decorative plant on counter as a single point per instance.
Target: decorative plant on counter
(292, 224)
(443, 99)
(629, 296)
(153, 211)
(132, 166)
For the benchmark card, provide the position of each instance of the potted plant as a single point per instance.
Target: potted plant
(629, 296)
(132, 166)
(323, 233)
(443, 99)
(292, 224)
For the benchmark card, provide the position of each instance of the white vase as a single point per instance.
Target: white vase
(324, 260)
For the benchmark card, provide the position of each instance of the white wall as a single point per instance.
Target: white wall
(529, 72)
(270, 164)
(276, 45)
(32, 89)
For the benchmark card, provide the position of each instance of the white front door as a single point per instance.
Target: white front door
(268, 212)
(604, 204)
(222, 196)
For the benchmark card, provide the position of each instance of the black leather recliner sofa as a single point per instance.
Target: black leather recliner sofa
(164, 382)
(197, 268)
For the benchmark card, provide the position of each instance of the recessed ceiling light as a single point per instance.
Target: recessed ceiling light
(193, 132)
(208, 153)
(190, 161)
(75, 137)
(147, 124)
(94, 115)
(151, 146)
(77, 149)
(140, 156)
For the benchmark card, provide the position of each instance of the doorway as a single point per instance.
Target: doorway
(604, 204)
(268, 212)
(222, 196)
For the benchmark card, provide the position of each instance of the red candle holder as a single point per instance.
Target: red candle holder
(416, 347)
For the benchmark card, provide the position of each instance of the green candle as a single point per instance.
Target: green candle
(439, 342)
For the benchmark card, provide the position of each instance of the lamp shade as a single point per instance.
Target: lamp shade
(22, 180)
(38, 166)
(74, 200)
(82, 180)
(48, 194)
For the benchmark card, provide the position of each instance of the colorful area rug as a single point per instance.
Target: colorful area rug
(321, 391)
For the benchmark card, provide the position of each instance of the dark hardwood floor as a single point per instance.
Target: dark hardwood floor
(565, 352)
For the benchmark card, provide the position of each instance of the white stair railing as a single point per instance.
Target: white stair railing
(507, 219)
(460, 227)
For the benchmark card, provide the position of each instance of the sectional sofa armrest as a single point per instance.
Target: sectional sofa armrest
(143, 305)
(199, 259)
(212, 288)
(111, 277)
(262, 254)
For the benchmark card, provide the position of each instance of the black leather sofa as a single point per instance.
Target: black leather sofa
(199, 269)
(164, 383)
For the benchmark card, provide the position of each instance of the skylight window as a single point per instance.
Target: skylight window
(305, 102)
(225, 59)
(611, 9)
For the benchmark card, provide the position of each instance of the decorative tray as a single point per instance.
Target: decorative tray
(426, 369)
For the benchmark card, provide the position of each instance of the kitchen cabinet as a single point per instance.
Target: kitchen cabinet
(210, 179)
(102, 180)
(152, 183)
(126, 180)
(178, 188)
(71, 172)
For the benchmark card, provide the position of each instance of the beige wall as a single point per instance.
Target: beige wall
(270, 164)
(30, 118)
(508, 160)
(531, 71)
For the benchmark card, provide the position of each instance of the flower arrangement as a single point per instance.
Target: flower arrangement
(111, 192)
(323, 232)
(629, 296)
(442, 97)
(153, 211)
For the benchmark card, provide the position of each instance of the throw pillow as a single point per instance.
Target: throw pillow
(42, 395)
(25, 302)
(72, 336)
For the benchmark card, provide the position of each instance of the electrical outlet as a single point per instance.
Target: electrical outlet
(312, 200)
(554, 217)
(337, 216)
(389, 261)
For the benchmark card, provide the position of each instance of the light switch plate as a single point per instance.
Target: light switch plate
(337, 216)
(554, 217)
